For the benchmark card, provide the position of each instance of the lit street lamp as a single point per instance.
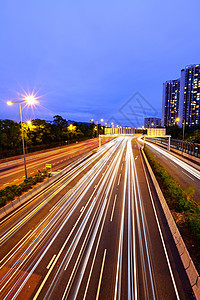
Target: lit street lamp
(101, 120)
(177, 120)
(30, 100)
(29, 123)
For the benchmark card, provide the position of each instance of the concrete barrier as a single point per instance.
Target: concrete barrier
(2, 213)
(183, 252)
(9, 208)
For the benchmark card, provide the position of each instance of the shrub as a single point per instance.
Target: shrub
(9, 193)
(18, 191)
(10, 196)
(177, 198)
(2, 201)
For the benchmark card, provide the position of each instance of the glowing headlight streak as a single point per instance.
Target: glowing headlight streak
(38, 239)
(179, 162)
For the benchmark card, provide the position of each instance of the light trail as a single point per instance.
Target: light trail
(65, 179)
(70, 244)
(89, 179)
(161, 235)
(176, 160)
(132, 198)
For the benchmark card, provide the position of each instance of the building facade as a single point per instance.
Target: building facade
(152, 122)
(189, 107)
(170, 104)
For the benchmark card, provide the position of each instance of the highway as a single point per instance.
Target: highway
(184, 173)
(97, 233)
(12, 171)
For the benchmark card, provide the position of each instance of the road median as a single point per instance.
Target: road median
(34, 192)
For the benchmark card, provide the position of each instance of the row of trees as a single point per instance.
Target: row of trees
(41, 135)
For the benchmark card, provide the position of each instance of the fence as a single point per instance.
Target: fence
(183, 146)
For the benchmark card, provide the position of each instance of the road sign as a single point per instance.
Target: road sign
(48, 166)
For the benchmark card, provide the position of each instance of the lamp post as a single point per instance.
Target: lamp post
(112, 127)
(101, 120)
(183, 130)
(30, 100)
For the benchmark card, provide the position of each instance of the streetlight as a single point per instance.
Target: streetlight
(184, 130)
(101, 120)
(112, 127)
(30, 100)
(177, 120)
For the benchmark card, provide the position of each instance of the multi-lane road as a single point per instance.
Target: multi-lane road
(98, 232)
(12, 171)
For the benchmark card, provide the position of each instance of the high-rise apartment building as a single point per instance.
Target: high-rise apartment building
(152, 122)
(170, 104)
(189, 107)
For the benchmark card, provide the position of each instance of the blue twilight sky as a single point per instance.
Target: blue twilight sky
(94, 59)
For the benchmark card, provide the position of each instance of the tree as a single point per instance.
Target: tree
(10, 135)
(60, 124)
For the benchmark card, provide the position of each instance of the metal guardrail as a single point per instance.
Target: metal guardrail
(183, 146)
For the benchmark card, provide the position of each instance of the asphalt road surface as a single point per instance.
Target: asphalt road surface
(185, 174)
(96, 233)
(12, 171)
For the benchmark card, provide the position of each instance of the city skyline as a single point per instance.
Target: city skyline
(86, 60)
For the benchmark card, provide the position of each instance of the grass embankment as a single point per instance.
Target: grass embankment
(11, 192)
(185, 210)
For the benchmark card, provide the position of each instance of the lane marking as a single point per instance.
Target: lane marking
(8, 254)
(164, 157)
(188, 175)
(51, 261)
(119, 179)
(61, 250)
(111, 218)
(173, 164)
(101, 273)
(160, 232)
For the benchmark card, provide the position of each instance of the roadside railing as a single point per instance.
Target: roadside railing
(183, 146)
